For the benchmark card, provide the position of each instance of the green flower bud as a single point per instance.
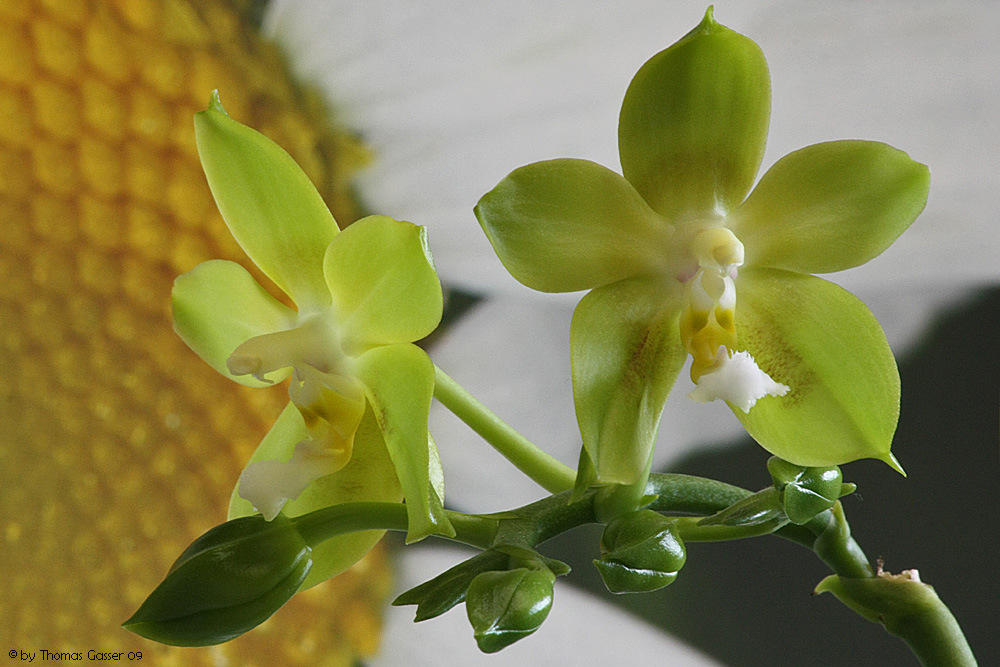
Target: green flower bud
(230, 580)
(805, 492)
(504, 607)
(640, 551)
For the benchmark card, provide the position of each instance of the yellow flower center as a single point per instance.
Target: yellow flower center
(708, 326)
(708, 320)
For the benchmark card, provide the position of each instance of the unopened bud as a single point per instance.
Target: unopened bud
(640, 551)
(805, 492)
(506, 606)
(230, 580)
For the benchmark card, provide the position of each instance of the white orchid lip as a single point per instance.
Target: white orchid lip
(268, 485)
(736, 379)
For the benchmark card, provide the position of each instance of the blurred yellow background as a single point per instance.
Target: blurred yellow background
(118, 446)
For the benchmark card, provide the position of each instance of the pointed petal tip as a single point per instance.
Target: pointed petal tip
(215, 103)
(708, 24)
(891, 461)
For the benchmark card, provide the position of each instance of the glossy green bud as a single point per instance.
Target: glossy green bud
(504, 607)
(805, 492)
(230, 580)
(640, 551)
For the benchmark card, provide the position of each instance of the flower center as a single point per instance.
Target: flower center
(326, 394)
(323, 388)
(708, 319)
(708, 326)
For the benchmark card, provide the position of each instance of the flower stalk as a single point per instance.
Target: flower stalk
(551, 474)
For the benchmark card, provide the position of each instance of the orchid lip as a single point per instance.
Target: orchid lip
(736, 379)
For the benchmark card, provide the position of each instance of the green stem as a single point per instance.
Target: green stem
(695, 495)
(908, 609)
(324, 524)
(829, 536)
(548, 472)
(935, 638)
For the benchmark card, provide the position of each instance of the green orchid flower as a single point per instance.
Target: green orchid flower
(671, 248)
(356, 426)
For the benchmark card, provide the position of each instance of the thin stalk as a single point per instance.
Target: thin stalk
(828, 535)
(329, 522)
(551, 474)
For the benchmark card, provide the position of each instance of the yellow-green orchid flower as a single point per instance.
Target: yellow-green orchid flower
(682, 261)
(356, 426)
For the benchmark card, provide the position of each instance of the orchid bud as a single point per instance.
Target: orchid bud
(805, 492)
(506, 606)
(230, 580)
(640, 552)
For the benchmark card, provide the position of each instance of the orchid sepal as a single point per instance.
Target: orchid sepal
(694, 122)
(818, 339)
(269, 204)
(625, 356)
(399, 382)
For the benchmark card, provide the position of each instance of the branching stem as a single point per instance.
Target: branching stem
(928, 627)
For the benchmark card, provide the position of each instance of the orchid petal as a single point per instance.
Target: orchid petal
(694, 122)
(382, 279)
(626, 353)
(399, 382)
(566, 225)
(269, 204)
(831, 206)
(368, 477)
(218, 306)
(827, 347)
